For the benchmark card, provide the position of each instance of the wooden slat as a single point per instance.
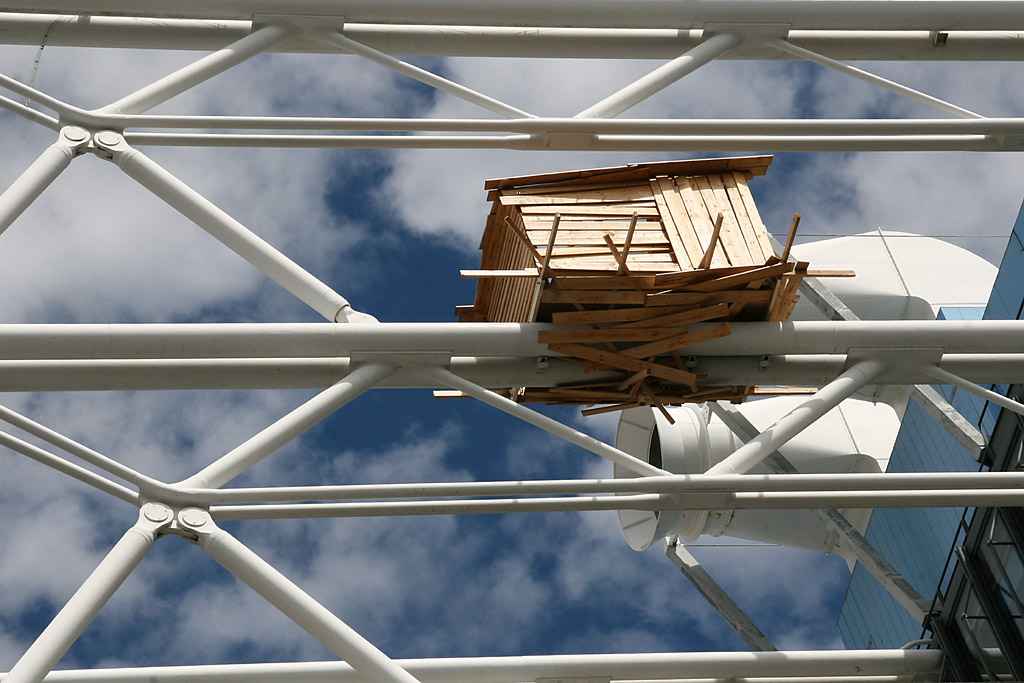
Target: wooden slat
(686, 277)
(831, 273)
(700, 219)
(570, 223)
(744, 296)
(713, 192)
(755, 217)
(540, 237)
(681, 219)
(747, 227)
(524, 272)
(678, 341)
(683, 318)
(595, 196)
(613, 316)
(604, 282)
(562, 296)
(611, 334)
(647, 209)
(618, 360)
(750, 276)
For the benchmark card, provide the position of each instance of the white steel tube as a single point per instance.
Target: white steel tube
(745, 500)
(73, 447)
(800, 14)
(546, 423)
(792, 423)
(501, 41)
(72, 470)
(424, 76)
(852, 664)
(298, 606)
(318, 340)
(662, 77)
(230, 232)
(871, 78)
(38, 176)
(1000, 400)
(671, 484)
(29, 113)
(192, 75)
(288, 427)
(66, 111)
(84, 605)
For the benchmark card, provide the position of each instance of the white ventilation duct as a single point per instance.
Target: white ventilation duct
(855, 437)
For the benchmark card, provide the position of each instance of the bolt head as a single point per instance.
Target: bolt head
(193, 517)
(108, 138)
(156, 513)
(75, 134)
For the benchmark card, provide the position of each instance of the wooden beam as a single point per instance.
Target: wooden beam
(678, 341)
(697, 315)
(705, 261)
(619, 360)
(745, 296)
(611, 334)
(731, 281)
(593, 296)
(613, 316)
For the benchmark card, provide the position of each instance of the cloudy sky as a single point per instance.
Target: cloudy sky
(389, 230)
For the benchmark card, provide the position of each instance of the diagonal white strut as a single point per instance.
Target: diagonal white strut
(38, 176)
(792, 423)
(201, 70)
(288, 427)
(291, 600)
(228, 231)
(87, 601)
(544, 422)
(662, 77)
(424, 76)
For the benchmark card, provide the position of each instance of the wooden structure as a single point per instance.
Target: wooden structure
(634, 254)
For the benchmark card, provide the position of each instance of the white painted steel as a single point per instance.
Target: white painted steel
(65, 110)
(29, 113)
(298, 606)
(318, 340)
(871, 78)
(853, 664)
(72, 470)
(288, 427)
(662, 77)
(828, 397)
(228, 231)
(1000, 400)
(544, 422)
(423, 76)
(38, 176)
(87, 601)
(978, 15)
(192, 75)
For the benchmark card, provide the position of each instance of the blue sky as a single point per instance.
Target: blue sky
(390, 230)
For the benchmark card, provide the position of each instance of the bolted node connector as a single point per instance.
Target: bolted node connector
(194, 518)
(108, 139)
(75, 134)
(542, 364)
(156, 512)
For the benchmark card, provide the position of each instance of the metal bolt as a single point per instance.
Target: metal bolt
(108, 138)
(154, 512)
(193, 517)
(75, 134)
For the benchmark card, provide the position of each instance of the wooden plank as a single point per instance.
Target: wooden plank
(745, 296)
(681, 219)
(755, 217)
(686, 277)
(747, 227)
(709, 253)
(730, 281)
(700, 219)
(697, 315)
(571, 223)
(678, 341)
(612, 316)
(831, 273)
(610, 334)
(568, 255)
(564, 296)
(523, 272)
(683, 258)
(732, 236)
(608, 409)
(540, 237)
(790, 237)
(603, 282)
(619, 360)
(594, 196)
(646, 209)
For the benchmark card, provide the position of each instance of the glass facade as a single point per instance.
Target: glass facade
(972, 561)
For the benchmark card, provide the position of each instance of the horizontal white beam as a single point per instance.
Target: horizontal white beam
(501, 41)
(978, 15)
(331, 340)
(655, 666)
